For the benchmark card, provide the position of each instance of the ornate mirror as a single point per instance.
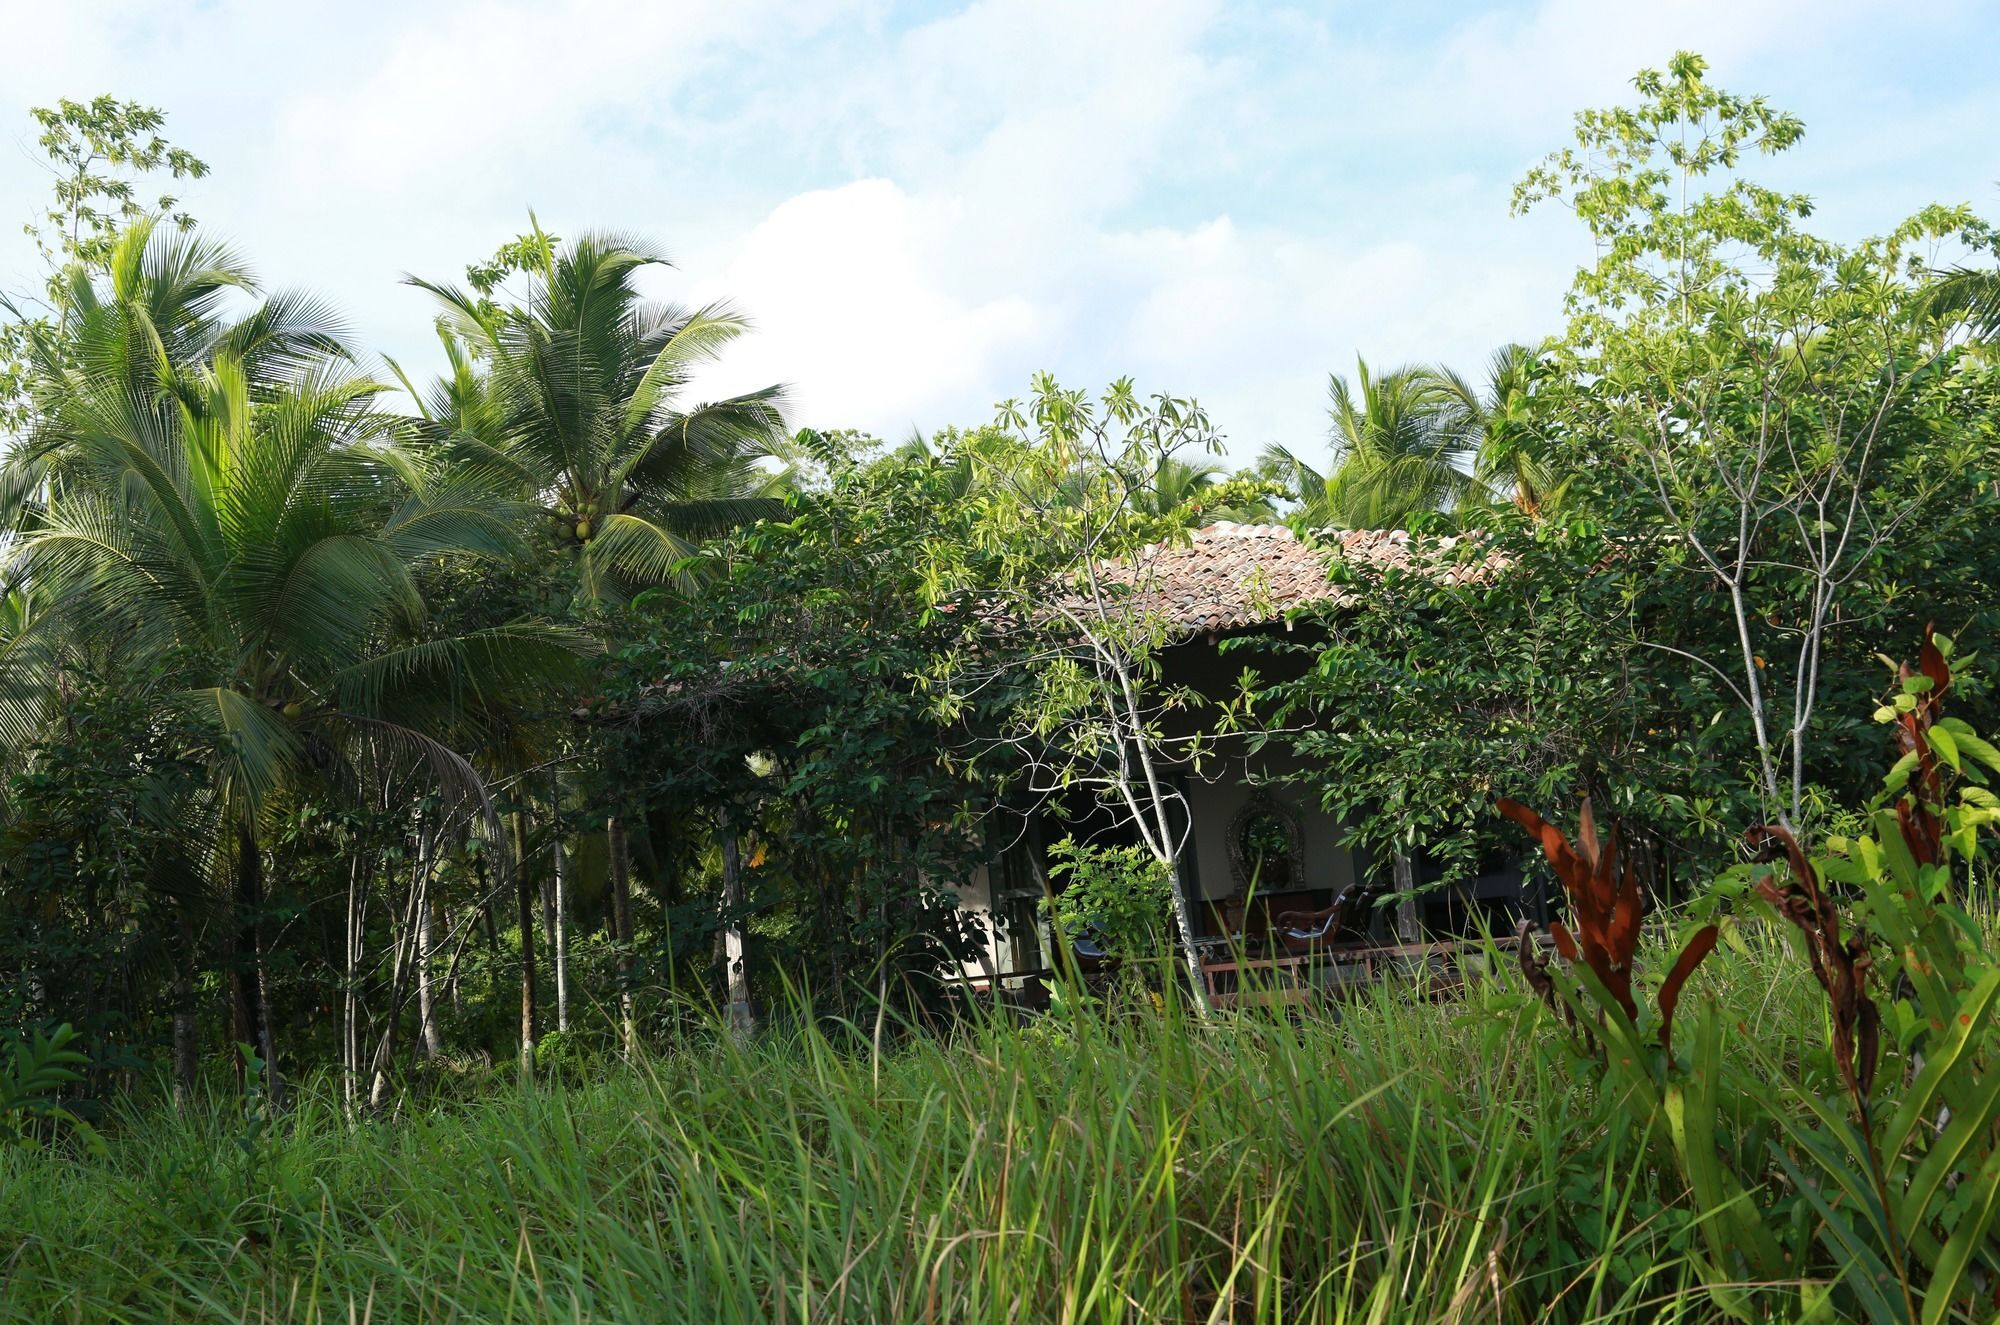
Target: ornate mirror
(1264, 847)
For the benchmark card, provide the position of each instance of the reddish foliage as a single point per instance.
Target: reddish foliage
(1608, 903)
(1699, 946)
(1920, 826)
(1841, 967)
(1840, 964)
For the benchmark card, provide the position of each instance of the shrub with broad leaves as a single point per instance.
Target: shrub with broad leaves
(1865, 1179)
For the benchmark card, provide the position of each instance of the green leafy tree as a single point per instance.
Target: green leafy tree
(104, 153)
(1757, 406)
(1763, 465)
(1506, 662)
(1066, 526)
(105, 156)
(792, 701)
(103, 905)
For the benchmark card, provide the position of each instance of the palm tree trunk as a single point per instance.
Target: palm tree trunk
(524, 892)
(742, 1019)
(242, 998)
(620, 853)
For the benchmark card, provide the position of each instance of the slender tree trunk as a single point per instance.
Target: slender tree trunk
(558, 922)
(242, 996)
(1184, 929)
(881, 967)
(742, 1019)
(427, 1026)
(524, 892)
(1407, 929)
(619, 851)
(404, 943)
(250, 882)
(385, 1045)
(1134, 748)
(451, 972)
(187, 1049)
(350, 1001)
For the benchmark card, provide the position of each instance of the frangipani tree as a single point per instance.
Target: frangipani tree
(1069, 491)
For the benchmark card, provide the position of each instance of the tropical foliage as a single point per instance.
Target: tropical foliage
(578, 411)
(1420, 441)
(496, 844)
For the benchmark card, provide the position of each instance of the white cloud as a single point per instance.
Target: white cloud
(844, 286)
(1221, 199)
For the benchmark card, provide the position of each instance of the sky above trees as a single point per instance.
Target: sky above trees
(920, 205)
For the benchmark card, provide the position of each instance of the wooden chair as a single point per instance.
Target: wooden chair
(1306, 932)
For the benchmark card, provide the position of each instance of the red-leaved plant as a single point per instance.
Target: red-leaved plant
(1880, 1205)
(1608, 903)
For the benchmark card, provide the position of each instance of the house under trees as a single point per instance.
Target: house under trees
(1260, 849)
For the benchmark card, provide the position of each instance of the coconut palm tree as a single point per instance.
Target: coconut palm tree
(161, 300)
(1400, 450)
(1201, 491)
(1971, 294)
(240, 526)
(585, 421)
(578, 415)
(1424, 439)
(1511, 453)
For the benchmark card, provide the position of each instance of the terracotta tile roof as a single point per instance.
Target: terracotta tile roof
(1229, 576)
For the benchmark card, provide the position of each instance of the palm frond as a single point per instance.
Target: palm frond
(642, 550)
(436, 684)
(1971, 295)
(261, 748)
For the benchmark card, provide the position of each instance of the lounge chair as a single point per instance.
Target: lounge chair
(1091, 957)
(1307, 932)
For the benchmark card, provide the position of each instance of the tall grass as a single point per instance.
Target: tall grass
(1392, 1159)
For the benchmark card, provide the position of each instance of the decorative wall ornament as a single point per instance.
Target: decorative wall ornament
(1266, 847)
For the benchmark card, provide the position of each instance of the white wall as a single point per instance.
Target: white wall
(1214, 806)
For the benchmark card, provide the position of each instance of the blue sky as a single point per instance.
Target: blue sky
(919, 205)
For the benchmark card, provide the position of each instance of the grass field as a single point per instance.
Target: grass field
(1397, 1160)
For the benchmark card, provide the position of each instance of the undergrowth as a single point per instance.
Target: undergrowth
(1393, 1158)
